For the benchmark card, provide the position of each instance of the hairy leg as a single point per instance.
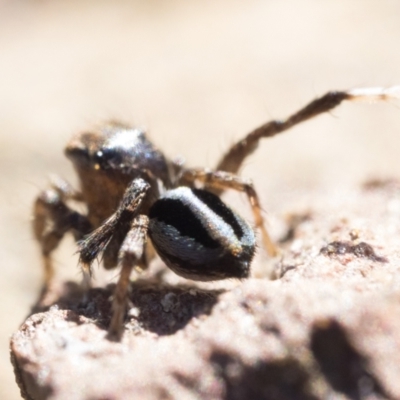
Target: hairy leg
(91, 246)
(234, 157)
(219, 181)
(130, 256)
(53, 218)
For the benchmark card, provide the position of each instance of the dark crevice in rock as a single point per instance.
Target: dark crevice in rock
(279, 380)
(343, 366)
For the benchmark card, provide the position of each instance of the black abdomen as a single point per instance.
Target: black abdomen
(199, 237)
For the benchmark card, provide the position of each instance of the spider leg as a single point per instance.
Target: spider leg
(130, 255)
(65, 189)
(52, 219)
(233, 159)
(220, 181)
(91, 246)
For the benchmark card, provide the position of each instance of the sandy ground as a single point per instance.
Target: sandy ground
(197, 75)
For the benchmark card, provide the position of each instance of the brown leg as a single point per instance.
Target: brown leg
(221, 180)
(64, 189)
(233, 159)
(91, 246)
(130, 255)
(52, 219)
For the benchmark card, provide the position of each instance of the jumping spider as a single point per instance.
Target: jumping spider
(132, 191)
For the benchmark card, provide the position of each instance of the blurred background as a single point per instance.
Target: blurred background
(197, 75)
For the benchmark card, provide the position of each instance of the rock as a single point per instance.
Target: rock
(328, 326)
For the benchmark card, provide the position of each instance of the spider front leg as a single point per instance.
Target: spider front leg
(125, 219)
(53, 218)
(130, 256)
(220, 181)
(91, 246)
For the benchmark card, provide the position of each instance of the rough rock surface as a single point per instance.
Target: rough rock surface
(327, 326)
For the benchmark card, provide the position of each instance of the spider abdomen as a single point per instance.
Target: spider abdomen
(199, 237)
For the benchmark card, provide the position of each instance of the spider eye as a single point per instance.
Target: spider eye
(107, 158)
(199, 237)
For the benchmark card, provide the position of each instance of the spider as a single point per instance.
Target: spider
(133, 192)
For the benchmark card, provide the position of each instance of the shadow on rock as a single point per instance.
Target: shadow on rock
(153, 306)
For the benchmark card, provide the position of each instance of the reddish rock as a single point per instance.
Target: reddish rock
(328, 326)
